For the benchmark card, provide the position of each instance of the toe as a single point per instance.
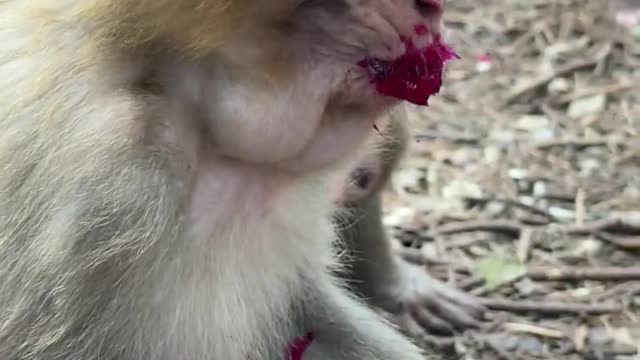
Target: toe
(458, 317)
(430, 321)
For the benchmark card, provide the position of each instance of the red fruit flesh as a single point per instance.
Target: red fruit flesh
(414, 76)
(299, 346)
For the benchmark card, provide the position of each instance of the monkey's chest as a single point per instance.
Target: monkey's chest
(228, 192)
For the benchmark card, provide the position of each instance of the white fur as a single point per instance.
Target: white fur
(255, 269)
(198, 218)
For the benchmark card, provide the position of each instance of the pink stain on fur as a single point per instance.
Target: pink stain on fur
(421, 29)
(299, 346)
(414, 76)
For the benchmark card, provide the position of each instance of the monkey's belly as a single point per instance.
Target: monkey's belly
(228, 294)
(238, 271)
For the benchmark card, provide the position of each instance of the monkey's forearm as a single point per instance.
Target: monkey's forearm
(346, 329)
(371, 259)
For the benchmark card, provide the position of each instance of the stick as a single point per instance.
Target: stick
(584, 273)
(629, 243)
(628, 224)
(515, 203)
(524, 245)
(509, 227)
(576, 143)
(549, 308)
(534, 329)
(545, 79)
(471, 283)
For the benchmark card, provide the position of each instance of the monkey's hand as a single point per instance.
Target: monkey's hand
(417, 303)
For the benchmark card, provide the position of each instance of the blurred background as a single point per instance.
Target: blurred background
(522, 184)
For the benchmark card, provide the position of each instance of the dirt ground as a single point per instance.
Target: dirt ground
(523, 183)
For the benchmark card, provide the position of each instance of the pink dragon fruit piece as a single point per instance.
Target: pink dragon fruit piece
(414, 76)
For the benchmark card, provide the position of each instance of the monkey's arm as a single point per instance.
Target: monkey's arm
(370, 256)
(396, 286)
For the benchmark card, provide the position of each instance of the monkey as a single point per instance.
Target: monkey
(164, 175)
(416, 301)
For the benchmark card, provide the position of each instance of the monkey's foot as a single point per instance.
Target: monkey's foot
(420, 304)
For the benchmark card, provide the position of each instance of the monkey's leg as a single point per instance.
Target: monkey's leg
(345, 329)
(416, 301)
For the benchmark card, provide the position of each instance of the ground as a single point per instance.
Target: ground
(522, 185)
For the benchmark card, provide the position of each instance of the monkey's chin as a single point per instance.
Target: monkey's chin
(415, 76)
(357, 94)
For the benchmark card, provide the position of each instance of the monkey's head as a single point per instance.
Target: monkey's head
(392, 48)
(311, 79)
(295, 83)
(361, 183)
(372, 171)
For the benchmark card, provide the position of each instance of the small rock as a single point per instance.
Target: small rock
(539, 189)
(436, 204)
(462, 157)
(523, 186)
(630, 217)
(527, 200)
(407, 180)
(495, 208)
(587, 105)
(492, 154)
(502, 137)
(532, 123)
(587, 248)
(559, 86)
(528, 288)
(458, 189)
(581, 292)
(590, 166)
(562, 214)
(543, 134)
(518, 174)
(398, 216)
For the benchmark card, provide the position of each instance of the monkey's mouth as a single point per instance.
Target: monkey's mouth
(415, 76)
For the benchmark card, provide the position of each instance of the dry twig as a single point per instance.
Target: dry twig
(584, 273)
(549, 308)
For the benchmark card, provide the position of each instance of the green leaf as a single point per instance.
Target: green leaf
(498, 269)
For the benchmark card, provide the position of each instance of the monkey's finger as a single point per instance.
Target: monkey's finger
(457, 316)
(429, 321)
(408, 326)
(470, 303)
(405, 324)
